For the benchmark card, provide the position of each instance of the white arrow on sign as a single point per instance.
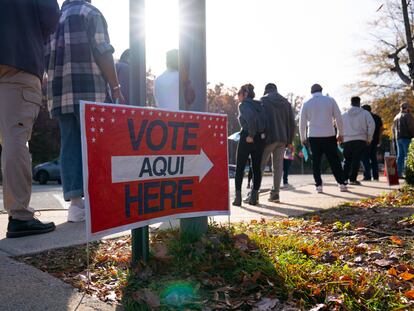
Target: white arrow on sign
(139, 168)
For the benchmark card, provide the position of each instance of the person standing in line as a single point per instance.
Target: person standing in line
(122, 71)
(403, 132)
(24, 26)
(252, 136)
(316, 123)
(359, 127)
(287, 162)
(167, 85)
(369, 159)
(280, 133)
(80, 67)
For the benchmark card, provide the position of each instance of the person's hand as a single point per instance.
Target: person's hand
(340, 139)
(117, 96)
(249, 140)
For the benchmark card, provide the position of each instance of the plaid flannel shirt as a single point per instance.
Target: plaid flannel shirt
(73, 74)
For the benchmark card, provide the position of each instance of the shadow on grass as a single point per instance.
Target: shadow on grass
(222, 271)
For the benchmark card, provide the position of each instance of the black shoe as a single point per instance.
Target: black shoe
(367, 179)
(254, 197)
(355, 183)
(238, 199)
(19, 228)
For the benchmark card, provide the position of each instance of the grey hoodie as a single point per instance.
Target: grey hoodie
(252, 117)
(358, 125)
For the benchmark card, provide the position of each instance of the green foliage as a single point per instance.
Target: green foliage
(409, 171)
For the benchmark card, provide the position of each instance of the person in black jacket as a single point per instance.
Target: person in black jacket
(252, 137)
(24, 27)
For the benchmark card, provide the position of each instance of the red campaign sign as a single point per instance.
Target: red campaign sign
(391, 170)
(144, 165)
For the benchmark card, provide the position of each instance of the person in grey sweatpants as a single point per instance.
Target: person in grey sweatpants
(280, 131)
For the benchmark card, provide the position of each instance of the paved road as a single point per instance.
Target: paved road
(49, 197)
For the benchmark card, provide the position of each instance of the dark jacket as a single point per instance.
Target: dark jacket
(403, 126)
(251, 117)
(24, 27)
(280, 119)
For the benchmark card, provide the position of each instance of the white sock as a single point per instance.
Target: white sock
(78, 202)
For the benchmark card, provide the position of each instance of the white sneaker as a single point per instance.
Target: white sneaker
(76, 214)
(343, 188)
(319, 189)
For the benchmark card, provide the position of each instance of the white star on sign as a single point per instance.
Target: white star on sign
(215, 134)
(102, 120)
(167, 114)
(93, 139)
(101, 130)
(182, 116)
(93, 130)
(92, 119)
(133, 112)
(93, 109)
(191, 117)
(204, 118)
(113, 110)
(175, 115)
(209, 126)
(221, 135)
(217, 119)
(211, 119)
(151, 113)
(216, 127)
(159, 114)
(222, 127)
(123, 110)
(198, 117)
(142, 113)
(113, 120)
(103, 110)
(222, 143)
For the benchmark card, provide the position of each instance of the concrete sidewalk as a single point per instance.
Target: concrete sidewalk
(25, 288)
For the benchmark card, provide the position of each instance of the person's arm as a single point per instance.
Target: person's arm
(339, 122)
(303, 123)
(291, 126)
(49, 14)
(380, 132)
(105, 62)
(102, 51)
(411, 124)
(370, 125)
(248, 115)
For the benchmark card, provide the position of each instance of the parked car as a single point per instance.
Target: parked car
(49, 171)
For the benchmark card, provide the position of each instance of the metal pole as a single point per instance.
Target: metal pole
(137, 95)
(193, 81)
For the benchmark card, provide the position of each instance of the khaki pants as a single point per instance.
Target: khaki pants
(20, 100)
(277, 150)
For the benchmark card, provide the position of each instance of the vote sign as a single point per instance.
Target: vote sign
(143, 166)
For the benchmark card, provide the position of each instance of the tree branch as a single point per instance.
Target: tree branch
(397, 67)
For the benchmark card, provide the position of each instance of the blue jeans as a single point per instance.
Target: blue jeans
(71, 156)
(402, 150)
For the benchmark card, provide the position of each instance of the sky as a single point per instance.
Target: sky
(291, 43)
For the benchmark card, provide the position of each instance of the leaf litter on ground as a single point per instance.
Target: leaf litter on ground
(358, 256)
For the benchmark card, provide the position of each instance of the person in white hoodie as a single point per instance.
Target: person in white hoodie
(359, 127)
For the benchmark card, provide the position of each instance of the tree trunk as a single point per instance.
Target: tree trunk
(410, 48)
